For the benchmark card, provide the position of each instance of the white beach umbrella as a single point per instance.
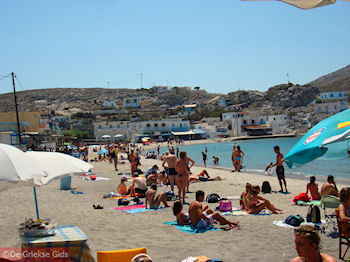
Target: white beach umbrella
(106, 136)
(15, 166)
(118, 135)
(57, 165)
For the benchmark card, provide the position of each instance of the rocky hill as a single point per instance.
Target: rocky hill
(282, 98)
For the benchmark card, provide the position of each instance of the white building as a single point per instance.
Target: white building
(231, 115)
(108, 104)
(244, 124)
(162, 127)
(161, 89)
(331, 107)
(224, 102)
(187, 110)
(333, 95)
(278, 123)
(132, 102)
(113, 128)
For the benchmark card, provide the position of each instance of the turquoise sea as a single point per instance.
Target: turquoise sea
(259, 153)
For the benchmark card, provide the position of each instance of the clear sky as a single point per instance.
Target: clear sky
(219, 45)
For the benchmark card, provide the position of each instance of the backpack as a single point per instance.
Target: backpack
(170, 195)
(123, 202)
(266, 188)
(302, 196)
(313, 214)
(294, 221)
(213, 198)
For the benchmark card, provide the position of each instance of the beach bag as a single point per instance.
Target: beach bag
(302, 197)
(266, 188)
(123, 202)
(213, 198)
(225, 206)
(294, 221)
(169, 195)
(313, 214)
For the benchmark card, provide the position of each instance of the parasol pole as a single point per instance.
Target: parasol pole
(36, 203)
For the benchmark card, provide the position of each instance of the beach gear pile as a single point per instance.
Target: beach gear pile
(36, 228)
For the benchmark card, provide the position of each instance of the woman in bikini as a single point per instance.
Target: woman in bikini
(182, 218)
(242, 201)
(255, 203)
(238, 155)
(313, 188)
(344, 208)
(182, 176)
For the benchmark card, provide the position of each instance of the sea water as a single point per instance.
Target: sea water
(259, 152)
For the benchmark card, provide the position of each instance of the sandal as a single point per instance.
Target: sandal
(97, 206)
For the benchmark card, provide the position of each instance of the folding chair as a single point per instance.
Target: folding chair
(333, 203)
(119, 255)
(344, 235)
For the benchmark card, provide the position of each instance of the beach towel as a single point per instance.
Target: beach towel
(190, 229)
(76, 192)
(239, 212)
(302, 203)
(116, 197)
(232, 197)
(281, 223)
(135, 209)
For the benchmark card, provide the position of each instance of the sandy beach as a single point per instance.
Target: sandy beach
(109, 229)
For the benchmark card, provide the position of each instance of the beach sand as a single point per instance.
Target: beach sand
(109, 229)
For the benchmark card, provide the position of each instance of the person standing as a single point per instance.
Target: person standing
(280, 168)
(171, 160)
(204, 159)
(133, 162)
(238, 157)
(182, 176)
(115, 155)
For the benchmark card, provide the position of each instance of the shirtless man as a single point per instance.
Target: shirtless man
(280, 168)
(154, 199)
(133, 162)
(182, 176)
(329, 188)
(201, 217)
(138, 185)
(171, 160)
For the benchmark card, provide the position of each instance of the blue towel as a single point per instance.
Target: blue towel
(191, 229)
(76, 192)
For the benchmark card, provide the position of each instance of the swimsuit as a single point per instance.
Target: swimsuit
(203, 224)
(237, 158)
(140, 191)
(172, 171)
(280, 172)
(154, 206)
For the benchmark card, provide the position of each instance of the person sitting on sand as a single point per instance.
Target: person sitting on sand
(255, 203)
(202, 218)
(182, 218)
(201, 177)
(122, 189)
(307, 244)
(138, 185)
(344, 208)
(248, 188)
(329, 188)
(154, 200)
(313, 188)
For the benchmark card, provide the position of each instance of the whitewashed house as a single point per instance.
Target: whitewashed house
(278, 123)
(132, 102)
(331, 102)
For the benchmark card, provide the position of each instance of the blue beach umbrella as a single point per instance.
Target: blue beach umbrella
(329, 139)
(102, 151)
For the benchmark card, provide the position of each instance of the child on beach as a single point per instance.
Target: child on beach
(122, 189)
(313, 188)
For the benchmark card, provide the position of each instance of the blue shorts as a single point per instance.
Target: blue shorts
(203, 224)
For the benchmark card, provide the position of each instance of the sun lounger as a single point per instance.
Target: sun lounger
(119, 255)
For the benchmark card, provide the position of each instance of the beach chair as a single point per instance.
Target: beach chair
(344, 235)
(331, 202)
(119, 255)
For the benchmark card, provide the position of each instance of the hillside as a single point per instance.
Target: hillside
(277, 99)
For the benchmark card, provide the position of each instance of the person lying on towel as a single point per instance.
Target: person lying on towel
(203, 176)
(202, 216)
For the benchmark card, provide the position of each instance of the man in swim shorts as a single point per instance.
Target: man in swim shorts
(171, 160)
(138, 185)
(280, 168)
(202, 216)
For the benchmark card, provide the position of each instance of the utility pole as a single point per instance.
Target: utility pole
(15, 97)
(141, 80)
(108, 85)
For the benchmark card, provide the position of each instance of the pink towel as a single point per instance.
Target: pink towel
(129, 207)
